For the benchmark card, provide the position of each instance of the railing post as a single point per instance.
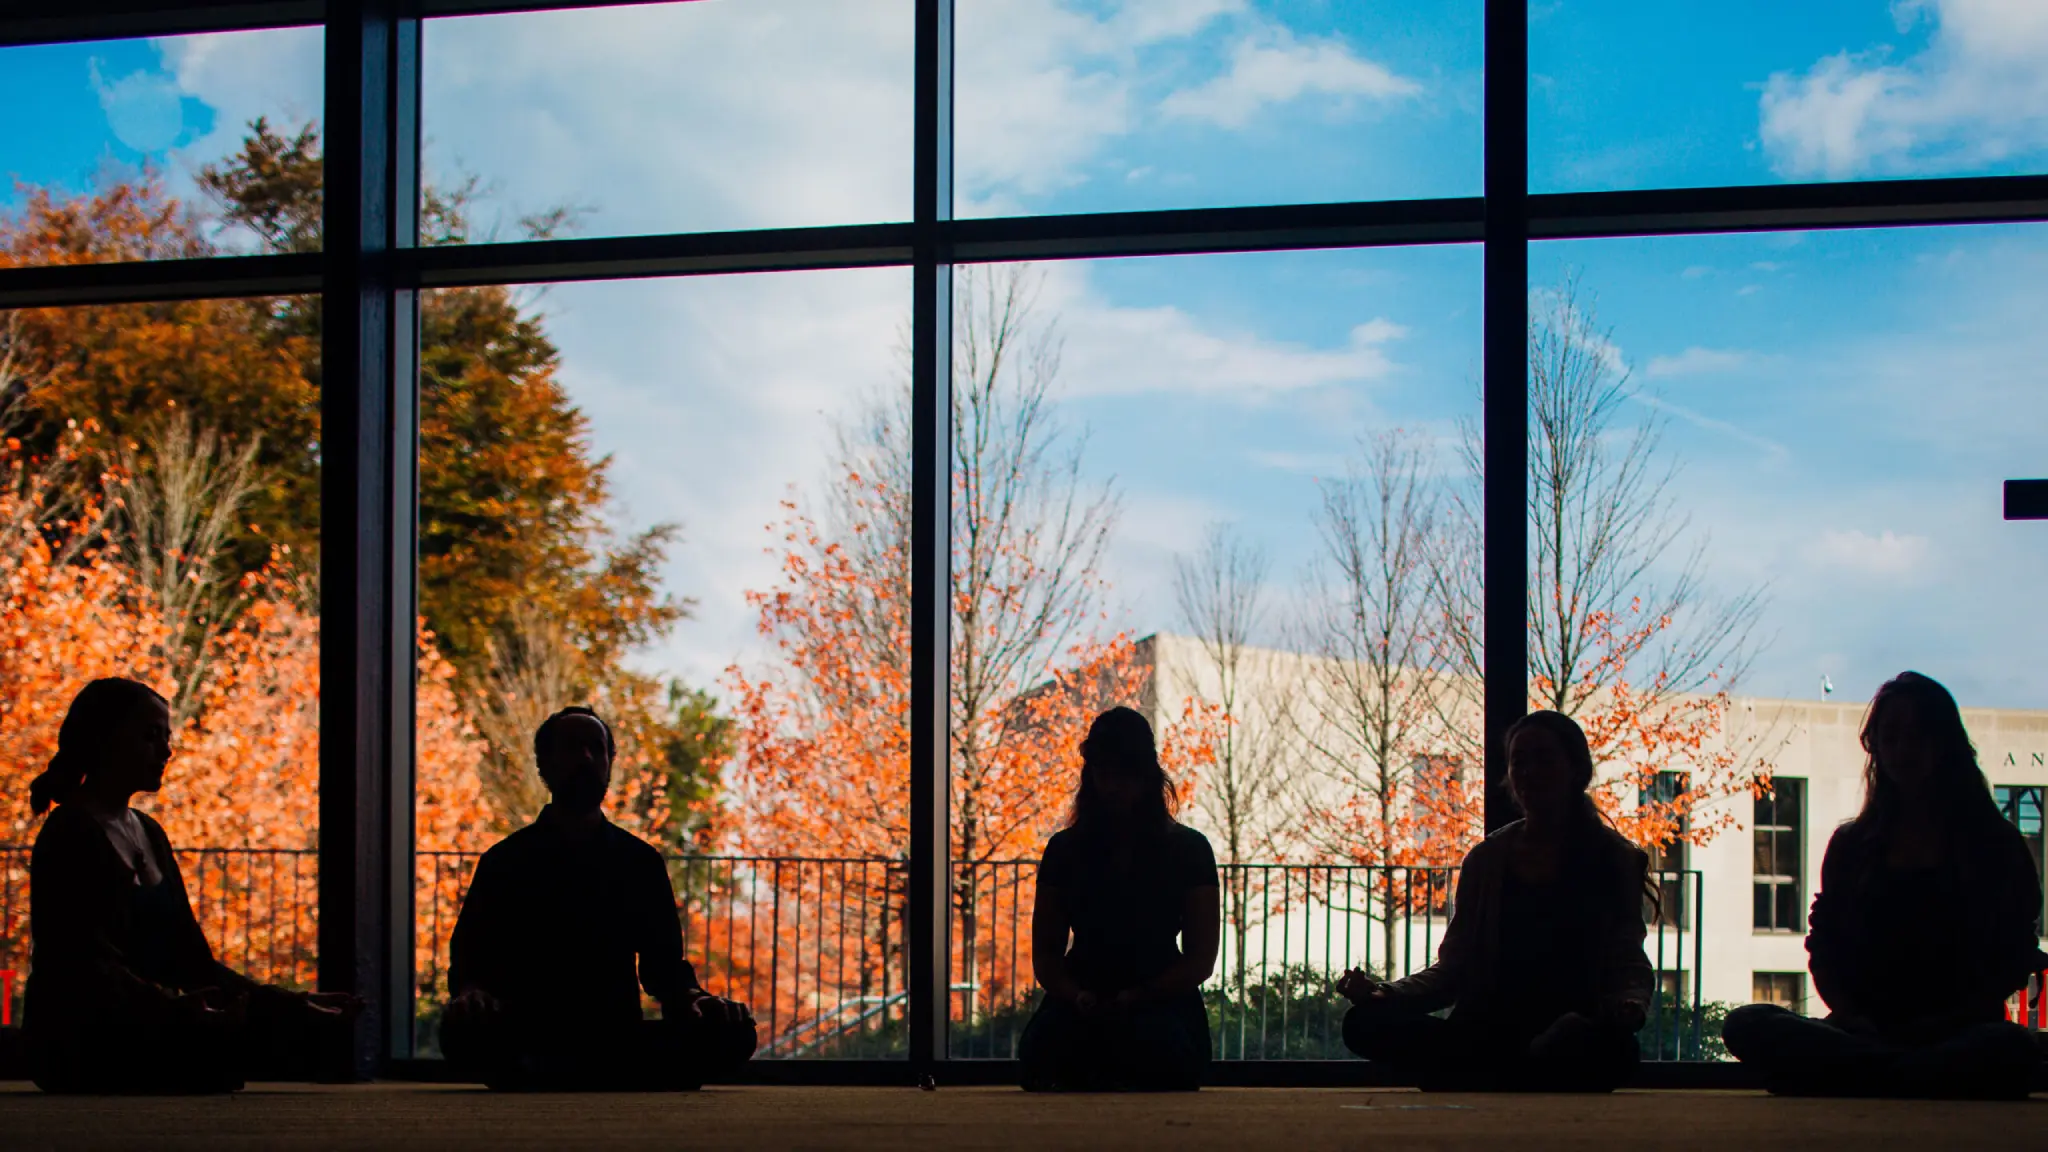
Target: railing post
(931, 355)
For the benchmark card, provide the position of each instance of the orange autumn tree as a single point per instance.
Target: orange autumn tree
(241, 796)
(513, 494)
(823, 734)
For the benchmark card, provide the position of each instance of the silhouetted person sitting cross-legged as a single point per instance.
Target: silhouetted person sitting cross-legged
(125, 995)
(1923, 926)
(1123, 1008)
(565, 921)
(1542, 966)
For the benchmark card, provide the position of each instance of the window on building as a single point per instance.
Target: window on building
(1785, 989)
(1780, 828)
(1669, 861)
(2023, 805)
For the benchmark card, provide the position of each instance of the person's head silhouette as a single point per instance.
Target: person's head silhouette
(574, 750)
(1920, 754)
(114, 742)
(1550, 766)
(1122, 781)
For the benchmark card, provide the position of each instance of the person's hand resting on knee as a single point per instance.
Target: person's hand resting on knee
(1360, 988)
(1622, 1015)
(716, 1009)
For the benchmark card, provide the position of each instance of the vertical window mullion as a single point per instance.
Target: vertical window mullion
(931, 343)
(1505, 420)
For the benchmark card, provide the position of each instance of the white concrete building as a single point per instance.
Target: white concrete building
(1757, 877)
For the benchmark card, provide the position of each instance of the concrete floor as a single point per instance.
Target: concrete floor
(1298, 1120)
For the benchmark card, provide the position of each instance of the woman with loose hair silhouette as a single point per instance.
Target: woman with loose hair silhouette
(1137, 892)
(125, 995)
(1924, 924)
(1542, 965)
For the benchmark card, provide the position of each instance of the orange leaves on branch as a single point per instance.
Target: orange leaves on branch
(1668, 759)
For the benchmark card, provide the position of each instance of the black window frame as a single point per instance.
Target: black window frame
(372, 270)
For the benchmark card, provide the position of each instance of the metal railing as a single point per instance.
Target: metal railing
(1289, 931)
(816, 945)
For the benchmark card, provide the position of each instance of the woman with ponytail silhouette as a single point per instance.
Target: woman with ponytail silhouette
(125, 995)
(1542, 966)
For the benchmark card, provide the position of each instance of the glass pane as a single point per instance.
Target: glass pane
(1785, 848)
(630, 499)
(1831, 417)
(143, 149)
(1763, 905)
(683, 117)
(1788, 908)
(1098, 105)
(1219, 427)
(160, 480)
(1629, 95)
(1791, 795)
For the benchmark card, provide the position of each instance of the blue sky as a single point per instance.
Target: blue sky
(1841, 406)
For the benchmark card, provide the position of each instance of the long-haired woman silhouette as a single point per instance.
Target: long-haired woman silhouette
(1925, 922)
(1137, 893)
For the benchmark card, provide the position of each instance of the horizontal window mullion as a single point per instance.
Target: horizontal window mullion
(677, 254)
(67, 21)
(137, 281)
(1365, 224)
(1789, 207)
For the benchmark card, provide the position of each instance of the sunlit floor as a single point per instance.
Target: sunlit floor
(441, 1117)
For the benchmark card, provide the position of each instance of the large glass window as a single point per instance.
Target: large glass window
(683, 117)
(1628, 95)
(160, 487)
(1226, 461)
(1090, 106)
(150, 149)
(647, 497)
(1240, 492)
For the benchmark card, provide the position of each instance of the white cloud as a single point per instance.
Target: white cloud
(1886, 554)
(1695, 362)
(145, 109)
(1113, 350)
(1044, 85)
(1974, 96)
(1273, 66)
(681, 117)
(277, 73)
(716, 398)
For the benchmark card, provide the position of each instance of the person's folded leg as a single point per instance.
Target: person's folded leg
(1801, 1056)
(1416, 1047)
(154, 1052)
(1051, 1052)
(1580, 1054)
(683, 1051)
(1989, 1061)
(1162, 1047)
(287, 1039)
